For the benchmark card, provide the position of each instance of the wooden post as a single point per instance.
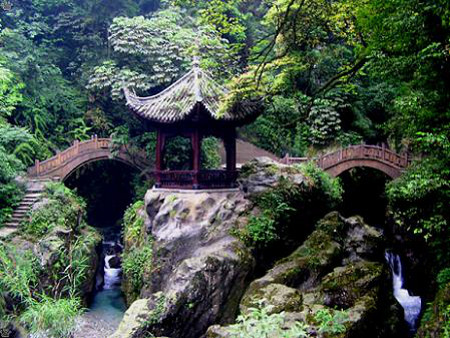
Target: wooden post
(196, 143)
(158, 159)
(230, 147)
(96, 141)
(37, 163)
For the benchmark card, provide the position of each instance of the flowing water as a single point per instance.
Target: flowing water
(411, 304)
(108, 306)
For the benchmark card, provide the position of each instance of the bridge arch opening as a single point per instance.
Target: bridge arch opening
(108, 187)
(344, 166)
(364, 194)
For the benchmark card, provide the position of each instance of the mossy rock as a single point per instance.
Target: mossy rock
(278, 296)
(343, 286)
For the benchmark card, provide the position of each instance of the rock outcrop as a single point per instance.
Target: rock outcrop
(338, 266)
(201, 266)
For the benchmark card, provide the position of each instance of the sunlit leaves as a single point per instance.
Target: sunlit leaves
(10, 95)
(156, 51)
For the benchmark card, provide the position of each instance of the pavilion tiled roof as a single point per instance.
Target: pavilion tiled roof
(178, 102)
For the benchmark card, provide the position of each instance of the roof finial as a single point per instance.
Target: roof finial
(196, 61)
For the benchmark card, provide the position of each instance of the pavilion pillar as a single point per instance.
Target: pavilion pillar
(196, 142)
(230, 148)
(160, 143)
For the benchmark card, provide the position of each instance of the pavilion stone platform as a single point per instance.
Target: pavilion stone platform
(191, 108)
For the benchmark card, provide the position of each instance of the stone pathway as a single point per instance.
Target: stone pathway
(7, 231)
(94, 326)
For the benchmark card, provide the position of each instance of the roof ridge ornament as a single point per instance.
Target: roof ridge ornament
(196, 61)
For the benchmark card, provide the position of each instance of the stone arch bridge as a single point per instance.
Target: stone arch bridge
(60, 166)
(363, 155)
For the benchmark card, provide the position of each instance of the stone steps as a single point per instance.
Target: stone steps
(19, 214)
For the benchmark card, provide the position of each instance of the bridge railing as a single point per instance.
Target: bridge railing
(68, 154)
(355, 152)
(363, 152)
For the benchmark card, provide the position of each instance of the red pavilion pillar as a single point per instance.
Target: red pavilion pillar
(230, 148)
(196, 141)
(160, 143)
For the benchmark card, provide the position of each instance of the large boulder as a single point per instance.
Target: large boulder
(199, 269)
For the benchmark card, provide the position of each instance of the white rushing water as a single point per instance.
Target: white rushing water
(112, 275)
(411, 304)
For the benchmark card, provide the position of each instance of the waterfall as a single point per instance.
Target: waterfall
(411, 304)
(111, 275)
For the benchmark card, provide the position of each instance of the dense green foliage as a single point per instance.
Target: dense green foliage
(281, 207)
(436, 318)
(137, 256)
(329, 73)
(56, 317)
(64, 208)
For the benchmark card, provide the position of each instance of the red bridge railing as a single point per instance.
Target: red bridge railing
(356, 152)
(61, 158)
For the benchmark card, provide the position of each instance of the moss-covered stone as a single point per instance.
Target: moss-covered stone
(346, 284)
(280, 297)
(329, 271)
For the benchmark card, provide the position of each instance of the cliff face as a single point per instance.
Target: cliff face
(202, 256)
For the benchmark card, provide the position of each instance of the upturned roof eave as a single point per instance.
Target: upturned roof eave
(178, 102)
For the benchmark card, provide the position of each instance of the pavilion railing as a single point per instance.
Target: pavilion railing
(190, 179)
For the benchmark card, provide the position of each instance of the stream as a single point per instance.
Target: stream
(108, 304)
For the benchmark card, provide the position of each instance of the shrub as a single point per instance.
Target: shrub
(10, 192)
(63, 208)
(329, 186)
(260, 324)
(210, 153)
(281, 206)
(443, 277)
(54, 317)
(72, 267)
(18, 272)
(134, 264)
(332, 322)
(133, 224)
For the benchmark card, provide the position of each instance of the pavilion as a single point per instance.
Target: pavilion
(190, 108)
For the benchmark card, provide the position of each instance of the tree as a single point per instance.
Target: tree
(141, 63)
